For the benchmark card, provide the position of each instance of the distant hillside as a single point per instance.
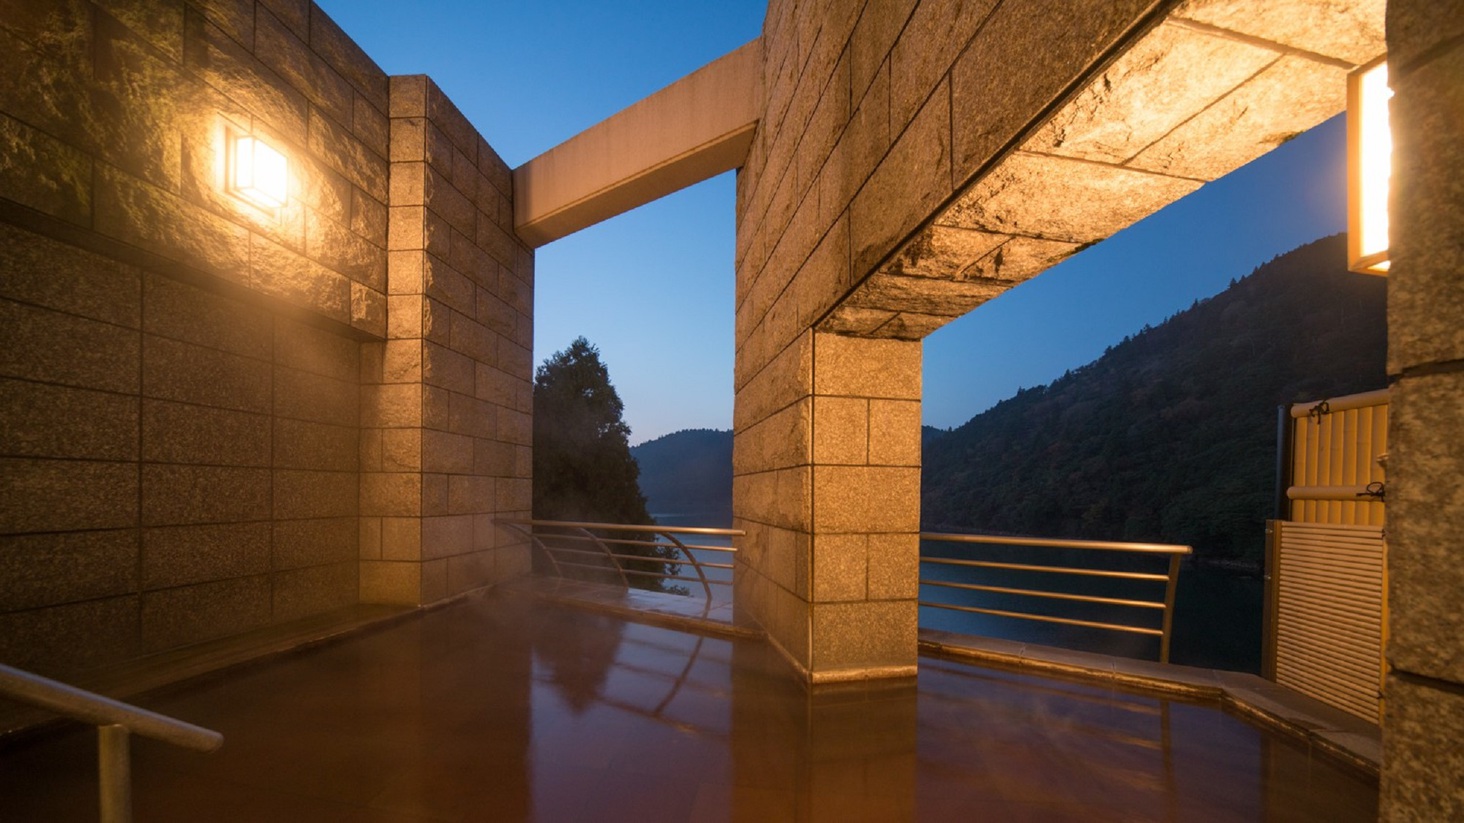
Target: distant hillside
(688, 474)
(1170, 435)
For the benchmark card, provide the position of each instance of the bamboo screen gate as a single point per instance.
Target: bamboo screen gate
(1326, 590)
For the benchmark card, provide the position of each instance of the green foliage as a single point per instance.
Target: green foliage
(583, 470)
(1171, 435)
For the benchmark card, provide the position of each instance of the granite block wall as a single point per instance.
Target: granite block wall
(200, 398)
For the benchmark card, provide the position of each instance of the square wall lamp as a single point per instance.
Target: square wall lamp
(257, 172)
(1369, 165)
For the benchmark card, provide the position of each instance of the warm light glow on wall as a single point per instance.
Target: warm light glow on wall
(1369, 165)
(258, 172)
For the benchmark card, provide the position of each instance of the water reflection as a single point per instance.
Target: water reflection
(506, 708)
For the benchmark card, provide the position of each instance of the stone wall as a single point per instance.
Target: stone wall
(201, 397)
(1423, 764)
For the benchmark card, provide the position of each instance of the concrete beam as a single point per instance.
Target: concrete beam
(696, 128)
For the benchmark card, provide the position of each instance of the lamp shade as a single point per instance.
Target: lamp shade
(1369, 166)
(258, 172)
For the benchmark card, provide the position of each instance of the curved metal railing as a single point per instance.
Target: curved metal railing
(1170, 578)
(115, 722)
(608, 548)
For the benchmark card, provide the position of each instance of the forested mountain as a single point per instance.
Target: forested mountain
(1170, 435)
(689, 474)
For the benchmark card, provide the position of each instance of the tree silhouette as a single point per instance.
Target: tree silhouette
(583, 470)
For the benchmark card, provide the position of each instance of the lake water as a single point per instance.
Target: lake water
(1217, 614)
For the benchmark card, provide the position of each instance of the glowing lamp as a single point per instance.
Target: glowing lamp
(258, 172)
(1369, 165)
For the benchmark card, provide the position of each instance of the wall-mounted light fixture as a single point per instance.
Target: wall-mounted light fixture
(257, 172)
(1369, 165)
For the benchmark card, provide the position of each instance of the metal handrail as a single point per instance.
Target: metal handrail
(115, 722)
(581, 532)
(1170, 579)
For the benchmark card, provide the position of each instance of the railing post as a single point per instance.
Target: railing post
(695, 564)
(1169, 589)
(608, 554)
(114, 774)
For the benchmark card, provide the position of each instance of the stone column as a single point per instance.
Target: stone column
(446, 419)
(1423, 769)
(827, 484)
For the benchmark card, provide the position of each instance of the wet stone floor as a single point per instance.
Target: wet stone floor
(508, 708)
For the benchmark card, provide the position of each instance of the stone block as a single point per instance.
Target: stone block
(468, 494)
(336, 247)
(942, 252)
(137, 124)
(47, 346)
(1040, 55)
(494, 459)
(855, 367)
(446, 535)
(1423, 767)
(401, 449)
(434, 494)
(305, 396)
(208, 377)
(783, 440)
(401, 538)
(466, 572)
(184, 555)
(300, 593)
(40, 420)
(47, 569)
(1415, 28)
(301, 543)
(1284, 100)
(391, 494)
(1425, 508)
(447, 368)
(1169, 76)
(66, 495)
(369, 541)
(408, 95)
(193, 614)
(44, 173)
(316, 350)
(839, 567)
(1339, 29)
(218, 58)
(309, 494)
(849, 638)
(922, 296)
(401, 361)
(342, 53)
(860, 499)
(180, 495)
(160, 25)
(299, 281)
(404, 316)
(38, 270)
(894, 432)
(189, 314)
(447, 453)
(1056, 198)
(406, 231)
(469, 415)
(786, 377)
(368, 310)
(342, 151)
(841, 433)
(1425, 303)
(514, 494)
(392, 583)
(434, 580)
(894, 566)
(62, 640)
(935, 36)
(1018, 259)
(187, 433)
(301, 444)
(310, 74)
(368, 217)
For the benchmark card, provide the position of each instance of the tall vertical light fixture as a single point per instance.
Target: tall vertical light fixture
(1369, 165)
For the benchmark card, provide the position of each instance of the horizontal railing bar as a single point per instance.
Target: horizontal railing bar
(1377, 397)
(1046, 618)
(573, 524)
(79, 704)
(1099, 545)
(992, 564)
(1082, 598)
(708, 565)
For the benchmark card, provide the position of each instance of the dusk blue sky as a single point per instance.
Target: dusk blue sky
(653, 289)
